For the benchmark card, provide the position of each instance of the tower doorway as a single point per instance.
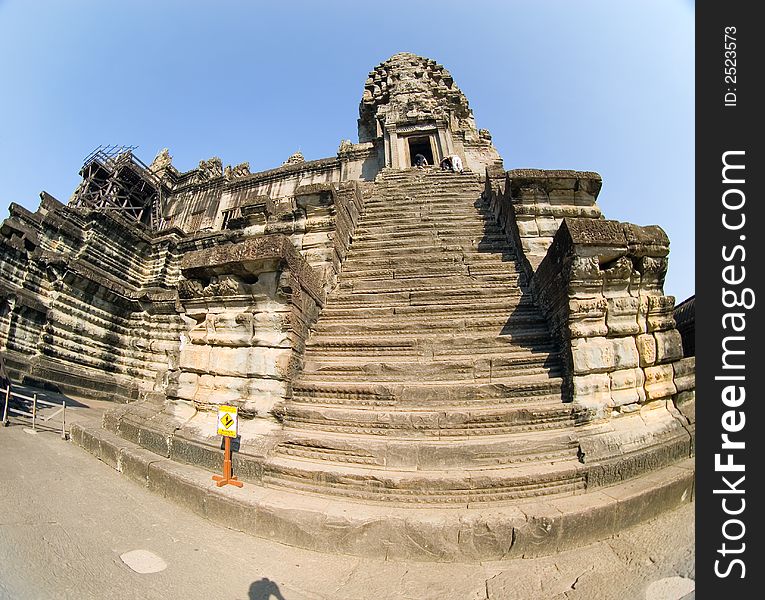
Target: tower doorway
(420, 145)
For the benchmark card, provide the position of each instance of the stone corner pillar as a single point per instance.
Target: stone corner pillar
(601, 287)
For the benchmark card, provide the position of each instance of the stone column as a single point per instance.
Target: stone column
(392, 142)
(444, 140)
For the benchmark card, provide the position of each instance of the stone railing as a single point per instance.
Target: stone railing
(320, 220)
(530, 205)
(249, 306)
(601, 287)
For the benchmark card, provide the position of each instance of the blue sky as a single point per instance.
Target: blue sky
(590, 85)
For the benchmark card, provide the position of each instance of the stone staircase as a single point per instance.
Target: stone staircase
(431, 376)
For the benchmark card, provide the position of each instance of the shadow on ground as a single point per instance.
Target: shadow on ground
(265, 589)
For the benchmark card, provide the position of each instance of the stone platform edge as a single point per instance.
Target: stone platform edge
(454, 534)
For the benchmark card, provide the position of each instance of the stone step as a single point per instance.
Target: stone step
(513, 390)
(443, 533)
(530, 323)
(413, 216)
(423, 245)
(423, 271)
(377, 220)
(431, 251)
(437, 422)
(441, 231)
(453, 368)
(435, 346)
(387, 215)
(439, 257)
(505, 313)
(496, 305)
(398, 453)
(431, 183)
(425, 487)
(441, 283)
(439, 342)
(455, 297)
(428, 269)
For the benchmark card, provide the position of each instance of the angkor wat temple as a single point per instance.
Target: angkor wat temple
(428, 364)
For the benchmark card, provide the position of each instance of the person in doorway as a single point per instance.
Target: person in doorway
(446, 164)
(420, 161)
(457, 164)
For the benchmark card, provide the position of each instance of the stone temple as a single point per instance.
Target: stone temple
(427, 364)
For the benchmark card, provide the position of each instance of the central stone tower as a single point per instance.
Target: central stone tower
(428, 364)
(411, 105)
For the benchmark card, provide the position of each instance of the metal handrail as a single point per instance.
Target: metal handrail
(8, 393)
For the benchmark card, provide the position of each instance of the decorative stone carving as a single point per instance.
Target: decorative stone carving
(237, 172)
(295, 159)
(211, 168)
(162, 161)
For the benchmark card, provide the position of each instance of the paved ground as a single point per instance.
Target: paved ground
(66, 519)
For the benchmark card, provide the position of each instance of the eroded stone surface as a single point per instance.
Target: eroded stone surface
(389, 334)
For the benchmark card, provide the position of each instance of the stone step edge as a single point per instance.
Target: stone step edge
(428, 534)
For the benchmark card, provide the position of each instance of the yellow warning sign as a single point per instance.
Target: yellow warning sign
(227, 421)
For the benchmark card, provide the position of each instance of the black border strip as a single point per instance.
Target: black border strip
(721, 128)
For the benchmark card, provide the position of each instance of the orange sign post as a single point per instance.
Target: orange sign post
(228, 422)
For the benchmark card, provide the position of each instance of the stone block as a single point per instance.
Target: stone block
(527, 227)
(168, 480)
(588, 517)
(685, 374)
(669, 346)
(541, 532)
(597, 355)
(547, 226)
(587, 317)
(110, 451)
(592, 391)
(195, 358)
(311, 240)
(621, 317)
(561, 196)
(229, 328)
(129, 427)
(646, 346)
(586, 328)
(188, 384)
(627, 386)
(76, 433)
(154, 440)
(685, 402)
(530, 195)
(134, 464)
(659, 316)
(584, 198)
(194, 453)
(646, 498)
(220, 507)
(91, 442)
(219, 389)
(537, 246)
(659, 382)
